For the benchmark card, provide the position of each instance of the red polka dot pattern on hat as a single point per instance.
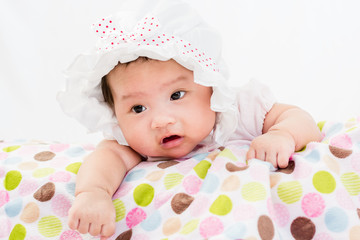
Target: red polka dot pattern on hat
(147, 33)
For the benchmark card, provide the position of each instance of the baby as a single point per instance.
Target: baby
(158, 92)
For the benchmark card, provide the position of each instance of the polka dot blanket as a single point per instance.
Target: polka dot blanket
(210, 196)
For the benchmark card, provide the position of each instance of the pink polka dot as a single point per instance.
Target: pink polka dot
(192, 184)
(88, 147)
(2, 172)
(70, 235)
(134, 217)
(199, 206)
(244, 212)
(211, 226)
(259, 173)
(185, 167)
(60, 204)
(5, 227)
(355, 163)
(323, 236)
(279, 212)
(3, 155)
(161, 199)
(28, 187)
(123, 190)
(59, 147)
(344, 200)
(4, 197)
(341, 141)
(140, 236)
(28, 150)
(313, 204)
(302, 169)
(282, 214)
(60, 177)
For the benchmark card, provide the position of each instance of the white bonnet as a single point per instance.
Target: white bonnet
(157, 29)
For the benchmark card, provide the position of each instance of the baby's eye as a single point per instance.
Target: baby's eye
(138, 108)
(177, 95)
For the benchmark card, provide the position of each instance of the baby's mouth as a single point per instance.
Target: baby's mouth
(170, 138)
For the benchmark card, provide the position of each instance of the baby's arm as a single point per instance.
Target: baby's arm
(286, 129)
(97, 180)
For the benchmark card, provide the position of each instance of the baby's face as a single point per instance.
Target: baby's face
(160, 110)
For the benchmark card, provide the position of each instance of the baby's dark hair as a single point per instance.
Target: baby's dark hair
(105, 88)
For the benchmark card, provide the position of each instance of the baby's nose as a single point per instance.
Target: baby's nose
(162, 121)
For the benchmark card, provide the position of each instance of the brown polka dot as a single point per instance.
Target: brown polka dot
(44, 156)
(340, 152)
(221, 148)
(233, 168)
(167, 164)
(125, 235)
(302, 228)
(181, 202)
(266, 228)
(45, 193)
(289, 169)
(213, 155)
(358, 212)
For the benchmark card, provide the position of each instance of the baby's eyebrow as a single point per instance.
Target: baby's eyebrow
(137, 94)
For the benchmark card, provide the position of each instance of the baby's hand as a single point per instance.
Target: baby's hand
(94, 213)
(275, 147)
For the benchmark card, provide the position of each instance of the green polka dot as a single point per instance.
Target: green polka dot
(143, 194)
(49, 226)
(202, 168)
(74, 167)
(221, 206)
(324, 182)
(173, 179)
(18, 232)
(43, 172)
(190, 226)
(11, 148)
(290, 192)
(351, 182)
(120, 209)
(321, 125)
(12, 180)
(228, 154)
(253, 192)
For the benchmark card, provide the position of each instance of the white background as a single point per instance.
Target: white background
(307, 51)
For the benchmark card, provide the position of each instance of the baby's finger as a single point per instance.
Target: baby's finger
(260, 154)
(83, 226)
(108, 229)
(250, 154)
(73, 223)
(283, 159)
(271, 157)
(94, 229)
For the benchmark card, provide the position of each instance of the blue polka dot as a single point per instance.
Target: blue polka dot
(13, 207)
(334, 129)
(210, 183)
(152, 222)
(236, 231)
(336, 219)
(313, 156)
(75, 152)
(13, 160)
(135, 175)
(200, 157)
(70, 188)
